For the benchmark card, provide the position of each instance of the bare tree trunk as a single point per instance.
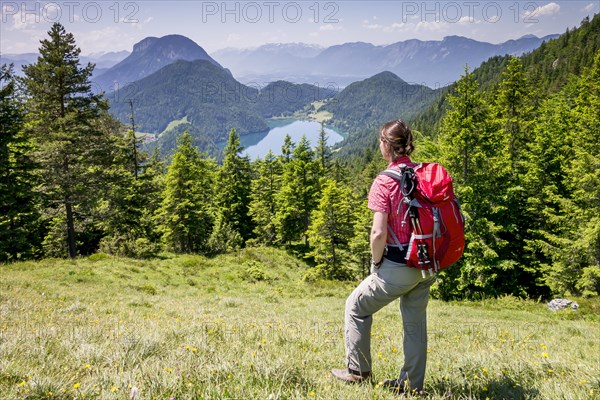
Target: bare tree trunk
(70, 229)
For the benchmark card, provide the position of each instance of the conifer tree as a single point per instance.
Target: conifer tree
(65, 120)
(18, 198)
(469, 150)
(547, 161)
(130, 203)
(233, 192)
(359, 244)
(298, 195)
(263, 206)
(287, 149)
(184, 218)
(576, 251)
(514, 112)
(331, 229)
(323, 151)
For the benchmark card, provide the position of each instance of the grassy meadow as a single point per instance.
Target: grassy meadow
(245, 326)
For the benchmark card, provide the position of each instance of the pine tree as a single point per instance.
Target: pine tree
(513, 114)
(130, 203)
(359, 244)
(263, 206)
(514, 111)
(323, 151)
(464, 132)
(18, 198)
(287, 149)
(298, 195)
(67, 123)
(330, 230)
(184, 218)
(469, 150)
(577, 251)
(233, 192)
(547, 162)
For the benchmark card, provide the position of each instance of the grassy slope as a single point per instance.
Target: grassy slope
(244, 326)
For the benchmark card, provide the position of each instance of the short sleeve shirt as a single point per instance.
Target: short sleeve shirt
(385, 197)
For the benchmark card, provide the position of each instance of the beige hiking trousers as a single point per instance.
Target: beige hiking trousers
(386, 284)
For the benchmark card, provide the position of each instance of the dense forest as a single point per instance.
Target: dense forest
(521, 140)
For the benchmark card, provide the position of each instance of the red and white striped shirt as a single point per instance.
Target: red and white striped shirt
(385, 197)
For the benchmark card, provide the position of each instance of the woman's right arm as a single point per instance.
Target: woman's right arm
(378, 235)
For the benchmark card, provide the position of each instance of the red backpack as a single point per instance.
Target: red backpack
(438, 226)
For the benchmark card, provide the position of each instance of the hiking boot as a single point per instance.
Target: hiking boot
(350, 376)
(398, 387)
(394, 385)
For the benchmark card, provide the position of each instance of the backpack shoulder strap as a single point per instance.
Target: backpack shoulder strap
(405, 178)
(392, 173)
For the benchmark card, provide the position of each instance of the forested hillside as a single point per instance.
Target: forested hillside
(523, 150)
(205, 93)
(548, 68)
(361, 107)
(206, 101)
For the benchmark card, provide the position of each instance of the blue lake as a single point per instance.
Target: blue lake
(257, 145)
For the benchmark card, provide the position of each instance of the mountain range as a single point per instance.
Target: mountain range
(175, 85)
(432, 63)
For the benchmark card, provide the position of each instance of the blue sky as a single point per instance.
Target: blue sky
(101, 26)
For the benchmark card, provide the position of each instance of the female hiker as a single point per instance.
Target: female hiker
(390, 278)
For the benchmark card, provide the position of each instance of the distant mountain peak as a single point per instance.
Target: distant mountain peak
(386, 75)
(148, 56)
(144, 44)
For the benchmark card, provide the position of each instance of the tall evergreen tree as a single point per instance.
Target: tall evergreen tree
(331, 229)
(513, 115)
(65, 120)
(547, 162)
(263, 206)
(514, 112)
(233, 192)
(287, 149)
(576, 252)
(18, 199)
(185, 218)
(130, 203)
(359, 244)
(323, 151)
(298, 195)
(469, 150)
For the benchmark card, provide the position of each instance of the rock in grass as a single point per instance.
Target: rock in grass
(560, 304)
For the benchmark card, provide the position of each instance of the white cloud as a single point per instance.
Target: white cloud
(467, 20)
(373, 26)
(430, 26)
(548, 9)
(395, 27)
(330, 27)
(589, 7)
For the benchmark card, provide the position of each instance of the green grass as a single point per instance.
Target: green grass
(245, 326)
(175, 123)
